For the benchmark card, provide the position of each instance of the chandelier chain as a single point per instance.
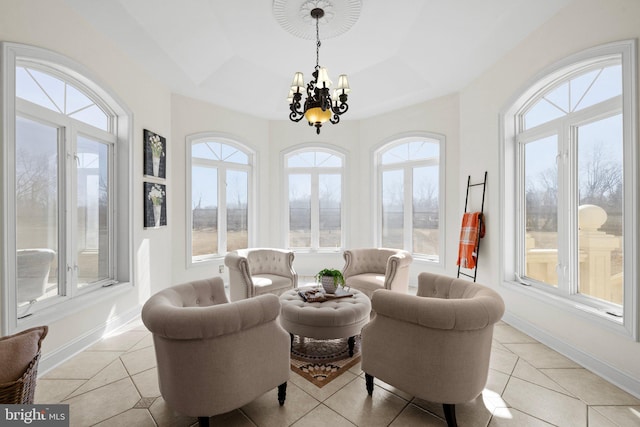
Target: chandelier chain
(317, 43)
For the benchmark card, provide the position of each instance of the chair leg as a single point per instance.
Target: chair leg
(450, 414)
(203, 421)
(369, 380)
(282, 393)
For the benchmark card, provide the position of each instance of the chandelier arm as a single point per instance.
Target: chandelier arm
(294, 116)
(296, 109)
(340, 109)
(335, 119)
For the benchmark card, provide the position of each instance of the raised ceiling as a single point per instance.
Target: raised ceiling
(238, 53)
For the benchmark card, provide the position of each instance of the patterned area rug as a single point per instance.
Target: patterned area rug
(322, 361)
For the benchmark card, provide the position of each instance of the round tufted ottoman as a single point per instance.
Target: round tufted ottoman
(336, 318)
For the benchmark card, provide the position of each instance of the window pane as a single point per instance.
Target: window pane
(36, 211)
(237, 210)
(93, 116)
(392, 209)
(27, 88)
(541, 210)
(326, 160)
(314, 159)
(57, 95)
(53, 87)
(330, 194)
(607, 85)
(93, 238)
(414, 150)
(580, 92)
(218, 151)
(542, 112)
(425, 211)
(600, 209)
(204, 211)
(204, 150)
(76, 100)
(300, 210)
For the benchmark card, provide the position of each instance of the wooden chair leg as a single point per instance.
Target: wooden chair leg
(369, 380)
(282, 393)
(203, 421)
(450, 414)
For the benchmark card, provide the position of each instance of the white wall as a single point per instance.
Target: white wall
(52, 25)
(583, 24)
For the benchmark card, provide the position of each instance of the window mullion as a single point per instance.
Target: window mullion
(315, 209)
(520, 211)
(408, 208)
(572, 256)
(222, 209)
(68, 210)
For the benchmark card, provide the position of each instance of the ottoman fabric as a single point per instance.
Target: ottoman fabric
(337, 318)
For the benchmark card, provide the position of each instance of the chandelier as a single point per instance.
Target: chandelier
(319, 105)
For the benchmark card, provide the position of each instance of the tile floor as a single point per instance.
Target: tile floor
(113, 383)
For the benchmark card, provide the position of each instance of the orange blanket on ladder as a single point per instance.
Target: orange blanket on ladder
(472, 230)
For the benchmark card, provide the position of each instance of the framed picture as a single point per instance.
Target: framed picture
(155, 205)
(155, 155)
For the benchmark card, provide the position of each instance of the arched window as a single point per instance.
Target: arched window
(411, 196)
(65, 138)
(314, 193)
(220, 201)
(571, 135)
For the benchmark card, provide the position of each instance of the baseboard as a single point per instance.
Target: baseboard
(64, 353)
(597, 366)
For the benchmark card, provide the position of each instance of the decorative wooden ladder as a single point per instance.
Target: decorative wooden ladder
(480, 222)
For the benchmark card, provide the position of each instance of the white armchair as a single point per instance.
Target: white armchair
(213, 355)
(370, 269)
(441, 340)
(260, 271)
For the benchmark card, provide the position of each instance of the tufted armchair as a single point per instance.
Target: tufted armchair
(215, 356)
(370, 269)
(441, 340)
(260, 271)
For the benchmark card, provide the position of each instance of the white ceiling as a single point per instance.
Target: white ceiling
(233, 53)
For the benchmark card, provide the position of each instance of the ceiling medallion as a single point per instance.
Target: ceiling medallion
(295, 16)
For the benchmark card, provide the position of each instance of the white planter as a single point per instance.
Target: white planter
(157, 211)
(156, 166)
(328, 284)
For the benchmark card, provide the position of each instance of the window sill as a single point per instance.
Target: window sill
(595, 315)
(64, 309)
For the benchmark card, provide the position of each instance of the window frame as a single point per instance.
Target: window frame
(250, 168)
(407, 168)
(120, 186)
(511, 194)
(315, 201)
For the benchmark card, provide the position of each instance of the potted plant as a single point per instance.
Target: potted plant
(330, 279)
